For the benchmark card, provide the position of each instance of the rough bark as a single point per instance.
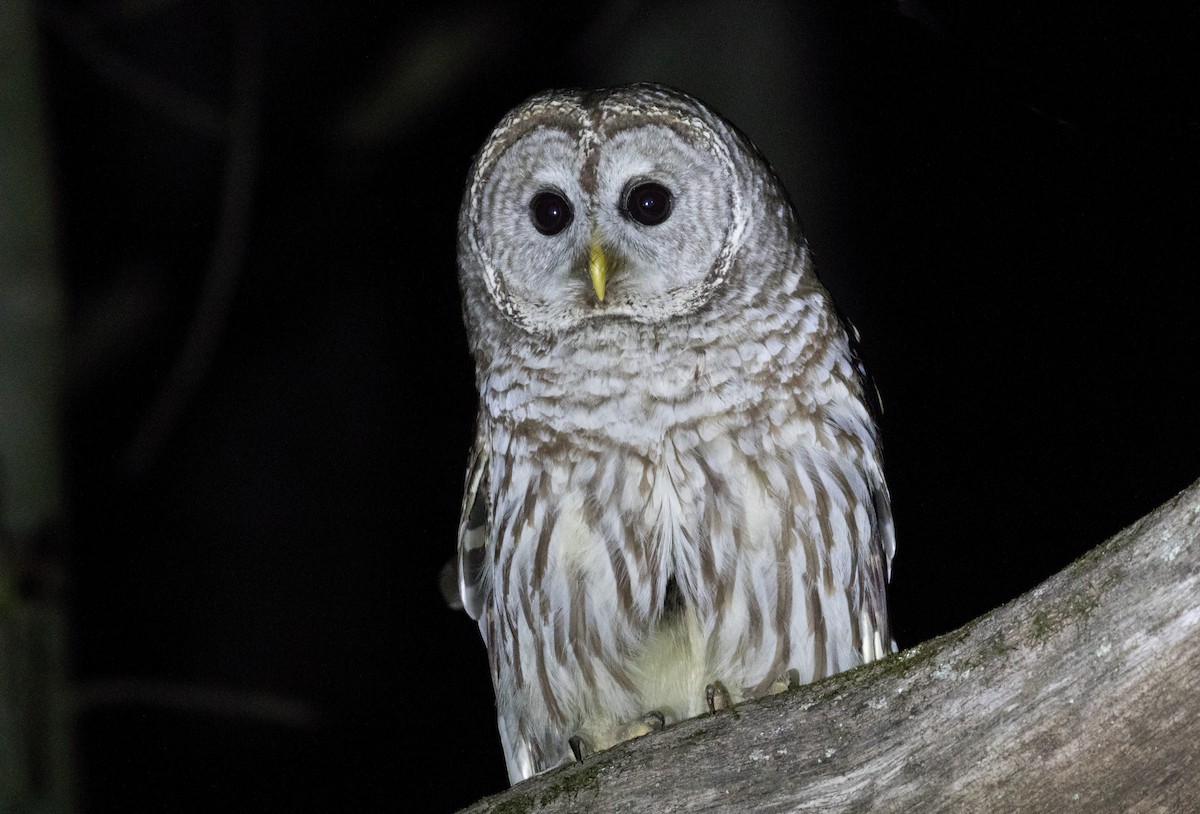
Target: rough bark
(1081, 695)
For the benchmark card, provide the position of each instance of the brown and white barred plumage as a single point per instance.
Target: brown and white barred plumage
(681, 484)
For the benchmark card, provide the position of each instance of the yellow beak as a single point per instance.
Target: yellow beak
(597, 266)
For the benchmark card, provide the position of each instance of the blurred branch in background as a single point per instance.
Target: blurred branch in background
(35, 752)
(240, 128)
(79, 31)
(224, 265)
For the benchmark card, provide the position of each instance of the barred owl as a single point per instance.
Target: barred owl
(675, 499)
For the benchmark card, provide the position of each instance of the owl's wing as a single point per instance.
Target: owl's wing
(473, 582)
(871, 394)
(874, 626)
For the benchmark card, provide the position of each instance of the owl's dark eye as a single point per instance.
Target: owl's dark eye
(649, 203)
(550, 212)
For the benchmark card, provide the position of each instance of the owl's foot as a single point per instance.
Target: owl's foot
(583, 747)
(652, 721)
(717, 697)
(784, 682)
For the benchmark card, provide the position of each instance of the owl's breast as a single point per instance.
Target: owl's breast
(641, 402)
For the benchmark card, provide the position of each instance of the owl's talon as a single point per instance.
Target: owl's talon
(644, 724)
(580, 748)
(654, 720)
(717, 697)
(786, 681)
(584, 746)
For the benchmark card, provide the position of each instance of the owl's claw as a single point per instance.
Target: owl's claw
(652, 721)
(788, 679)
(784, 682)
(717, 697)
(583, 746)
(580, 747)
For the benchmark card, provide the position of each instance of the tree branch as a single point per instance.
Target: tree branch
(1080, 695)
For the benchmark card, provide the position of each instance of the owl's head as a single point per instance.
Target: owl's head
(627, 203)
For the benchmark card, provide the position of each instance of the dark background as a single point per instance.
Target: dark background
(271, 398)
